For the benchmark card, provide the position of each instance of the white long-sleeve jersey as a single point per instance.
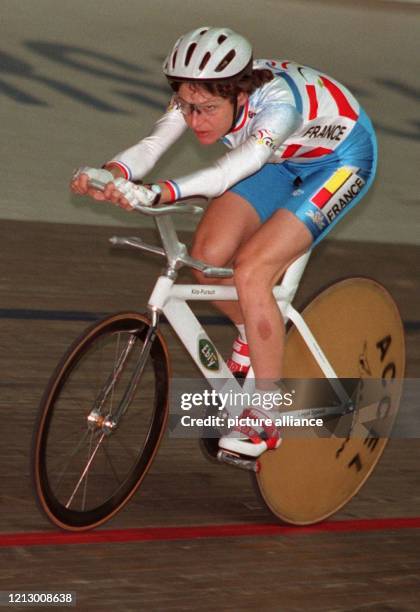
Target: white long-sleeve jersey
(299, 116)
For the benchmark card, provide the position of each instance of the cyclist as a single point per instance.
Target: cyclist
(302, 154)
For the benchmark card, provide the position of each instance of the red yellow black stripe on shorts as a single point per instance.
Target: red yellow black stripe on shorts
(337, 192)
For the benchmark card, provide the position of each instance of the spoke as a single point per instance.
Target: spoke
(128, 452)
(94, 380)
(117, 346)
(136, 376)
(112, 380)
(71, 433)
(85, 471)
(87, 476)
(87, 379)
(108, 458)
(71, 457)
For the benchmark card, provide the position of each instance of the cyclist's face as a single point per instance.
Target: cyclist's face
(209, 116)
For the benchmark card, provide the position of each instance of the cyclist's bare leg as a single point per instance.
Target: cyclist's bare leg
(229, 221)
(232, 231)
(259, 265)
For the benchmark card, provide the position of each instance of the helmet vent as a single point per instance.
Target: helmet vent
(203, 32)
(205, 61)
(221, 39)
(190, 51)
(226, 61)
(174, 58)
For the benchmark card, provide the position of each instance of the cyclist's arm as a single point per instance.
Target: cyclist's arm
(134, 163)
(272, 127)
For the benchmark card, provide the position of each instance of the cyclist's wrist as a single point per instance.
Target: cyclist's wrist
(163, 192)
(157, 190)
(116, 170)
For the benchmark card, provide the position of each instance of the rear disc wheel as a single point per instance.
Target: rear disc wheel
(359, 328)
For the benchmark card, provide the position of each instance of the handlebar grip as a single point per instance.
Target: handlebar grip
(97, 184)
(99, 179)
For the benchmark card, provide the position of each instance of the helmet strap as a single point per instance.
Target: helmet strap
(236, 113)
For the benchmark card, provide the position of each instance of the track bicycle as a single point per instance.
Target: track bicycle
(105, 409)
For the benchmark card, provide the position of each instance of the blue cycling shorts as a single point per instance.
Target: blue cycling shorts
(319, 192)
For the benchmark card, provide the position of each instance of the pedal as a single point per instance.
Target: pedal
(252, 465)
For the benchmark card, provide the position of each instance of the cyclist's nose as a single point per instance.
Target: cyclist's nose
(196, 119)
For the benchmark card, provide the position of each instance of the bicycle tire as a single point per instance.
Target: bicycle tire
(124, 456)
(359, 328)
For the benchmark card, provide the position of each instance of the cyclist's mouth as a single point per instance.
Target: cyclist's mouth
(205, 137)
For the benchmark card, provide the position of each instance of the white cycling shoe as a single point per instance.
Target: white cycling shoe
(254, 434)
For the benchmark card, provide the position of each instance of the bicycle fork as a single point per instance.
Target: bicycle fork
(110, 422)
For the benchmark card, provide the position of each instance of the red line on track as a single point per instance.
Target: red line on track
(48, 538)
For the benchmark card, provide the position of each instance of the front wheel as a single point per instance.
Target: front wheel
(358, 327)
(92, 447)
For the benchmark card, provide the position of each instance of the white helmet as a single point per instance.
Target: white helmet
(208, 54)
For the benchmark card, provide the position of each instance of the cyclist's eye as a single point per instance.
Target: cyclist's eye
(210, 108)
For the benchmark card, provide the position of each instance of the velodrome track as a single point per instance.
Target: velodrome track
(195, 536)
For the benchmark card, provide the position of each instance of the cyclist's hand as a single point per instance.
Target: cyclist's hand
(128, 195)
(119, 191)
(80, 182)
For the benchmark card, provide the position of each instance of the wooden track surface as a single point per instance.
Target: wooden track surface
(71, 268)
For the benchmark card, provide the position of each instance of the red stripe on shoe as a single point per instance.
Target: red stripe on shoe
(271, 431)
(236, 367)
(250, 433)
(343, 105)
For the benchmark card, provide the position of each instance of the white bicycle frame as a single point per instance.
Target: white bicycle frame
(171, 300)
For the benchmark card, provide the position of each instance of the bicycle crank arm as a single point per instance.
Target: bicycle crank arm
(314, 413)
(251, 465)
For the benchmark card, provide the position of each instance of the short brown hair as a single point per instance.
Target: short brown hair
(248, 82)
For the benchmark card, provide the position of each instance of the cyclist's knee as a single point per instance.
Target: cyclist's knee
(202, 249)
(250, 277)
(254, 279)
(209, 250)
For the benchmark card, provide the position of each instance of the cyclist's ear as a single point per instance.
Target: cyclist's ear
(242, 98)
